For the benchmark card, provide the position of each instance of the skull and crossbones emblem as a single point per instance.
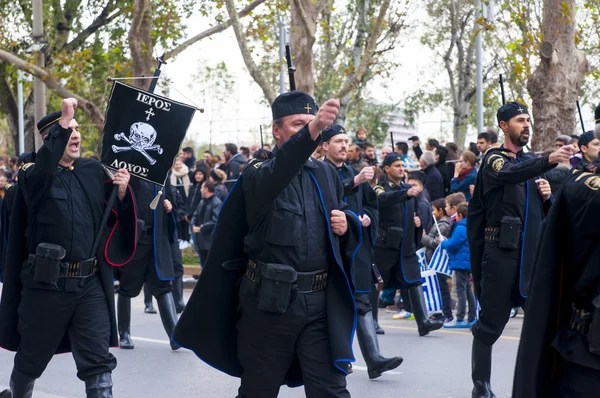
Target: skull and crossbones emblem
(141, 138)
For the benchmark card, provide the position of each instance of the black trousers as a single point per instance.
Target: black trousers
(46, 316)
(268, 343)
(141, 269)
(500, 270)
(446, 296)
(464, 293)
(363, 303)
(177, 260)
(576, 381)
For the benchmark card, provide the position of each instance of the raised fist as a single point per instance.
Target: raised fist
(325, 117)
(365, 175)
(68, 112)
(561, 155)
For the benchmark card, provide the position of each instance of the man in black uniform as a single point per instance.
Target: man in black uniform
(503, 226)
(395, 252)
(559, 353)
(58, 295)
(296, 313)
(362, 201)
(152, 264)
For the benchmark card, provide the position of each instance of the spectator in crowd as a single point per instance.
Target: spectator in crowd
(195, 194)
(188, 158)
(434, 182)
(245, 151)
(402, 149)
(3, 181)
(217, 177)
(465, 174)
(369, 152)
(493, 133)
(361, 137)
(473, 148)
(562, 140)
(204, 220)
(318, 153)
(208, 158)
(180, 179)
(452, 202)
(386, 150)
(423, 216)
(431, 145)
(440, 164)
(268, 147)
(12, 163)
(457, 247)
(253, 149)
(430, 242)
(589, 146)
(2, 165)
(235, 161)
(416, 144)
(484, 143)
(220, 163)
(355, 158)
(574, 142)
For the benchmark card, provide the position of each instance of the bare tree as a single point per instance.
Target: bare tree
(554, 86)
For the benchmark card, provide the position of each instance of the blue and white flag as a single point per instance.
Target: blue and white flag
(422, 259)
(431, 290)
(440, 261)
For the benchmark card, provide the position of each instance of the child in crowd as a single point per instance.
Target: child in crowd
(452, 201)
(457, 247)
(430, 242)
(361, 137)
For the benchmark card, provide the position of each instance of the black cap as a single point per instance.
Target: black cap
(392, 158)
(48, 121)
(332, 131)
(414, 138)
(597, 114)
(586, 138)
(510, 110)
(293, 103)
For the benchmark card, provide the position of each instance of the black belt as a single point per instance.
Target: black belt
(580, 320)
(492, 234)
(307, 282)
(81, 269)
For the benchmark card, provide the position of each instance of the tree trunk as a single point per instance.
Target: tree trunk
(140, 43)
(555, 84)
(461, 114)
(304, 16)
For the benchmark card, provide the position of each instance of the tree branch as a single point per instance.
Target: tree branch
(368, 54)
(310, 35)
(214, 30)
(90, 108)
(103, 19)
(253, 69)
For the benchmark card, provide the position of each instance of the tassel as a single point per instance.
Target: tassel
(154, 202)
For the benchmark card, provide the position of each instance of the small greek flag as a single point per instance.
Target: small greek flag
(422, 259)
(440, 261)
(431, 290)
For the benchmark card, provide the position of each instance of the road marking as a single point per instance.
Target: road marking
(149, 340)
(364, 368)
(38, 394)
(447, 331)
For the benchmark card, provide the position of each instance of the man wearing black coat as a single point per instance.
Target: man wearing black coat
(559, 349)
(434, 182)
(504, 223)
(362, 201)
(58, 291)
(204, 220)
(235, 162)
(275, 301)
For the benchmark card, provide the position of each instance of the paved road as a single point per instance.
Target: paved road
(434, 366)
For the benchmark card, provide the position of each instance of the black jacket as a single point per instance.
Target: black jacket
(205, 216)
(434, 182)
(233, 168)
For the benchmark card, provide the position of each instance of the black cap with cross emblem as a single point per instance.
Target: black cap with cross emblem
(510, 110)
(332, 131)
(293, 103)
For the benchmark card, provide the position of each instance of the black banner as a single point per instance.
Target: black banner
(143, 132)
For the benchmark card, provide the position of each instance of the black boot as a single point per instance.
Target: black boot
(374, 298)
(148, 306)
(21, 386)
(367, 340)
(99, 386)
(168, 315)
(178, 294)
(481, 370)
(419, 309)
(124, 322)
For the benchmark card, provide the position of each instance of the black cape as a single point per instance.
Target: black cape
(560, 277)
(117, 249)
(208, 323)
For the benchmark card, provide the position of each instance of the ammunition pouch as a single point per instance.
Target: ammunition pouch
(594, 332)
(47, 263)
(276, 288)
(510, 232)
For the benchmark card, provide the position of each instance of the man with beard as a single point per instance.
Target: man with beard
(560, 342)
(369, 150)
(275, 301)
(504, 223)
(58, 294)
(355, 158)
(484, 143)
(395, 251)
(235, 161)
(590, 148)
(362, 201)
